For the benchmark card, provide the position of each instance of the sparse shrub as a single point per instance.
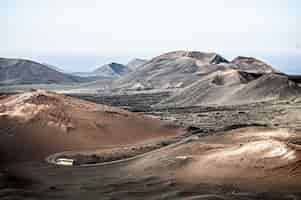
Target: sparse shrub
(218, 80)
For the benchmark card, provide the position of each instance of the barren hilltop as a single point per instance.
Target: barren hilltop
(40, 123)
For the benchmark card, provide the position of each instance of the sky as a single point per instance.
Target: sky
(77, 35)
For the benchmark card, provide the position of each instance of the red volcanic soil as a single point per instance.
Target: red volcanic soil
(36, 124)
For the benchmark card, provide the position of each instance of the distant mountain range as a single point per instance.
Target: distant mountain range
(182, 68)
(21, 71)
(112, 70)
(195, 78)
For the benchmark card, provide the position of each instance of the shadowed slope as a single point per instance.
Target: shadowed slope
(235, 87)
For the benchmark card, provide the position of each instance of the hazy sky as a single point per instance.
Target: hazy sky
(144, 28)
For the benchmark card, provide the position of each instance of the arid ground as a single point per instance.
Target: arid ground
(249, 151)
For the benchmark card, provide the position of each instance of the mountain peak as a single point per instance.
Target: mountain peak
(112, 69)
(204, 57)
(251, 64)
(240, 59)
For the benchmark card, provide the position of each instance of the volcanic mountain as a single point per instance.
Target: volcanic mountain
(171, 70)
(36, 124)
(232, 86)
(108, 71)
(20, 71)
(112, 70)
